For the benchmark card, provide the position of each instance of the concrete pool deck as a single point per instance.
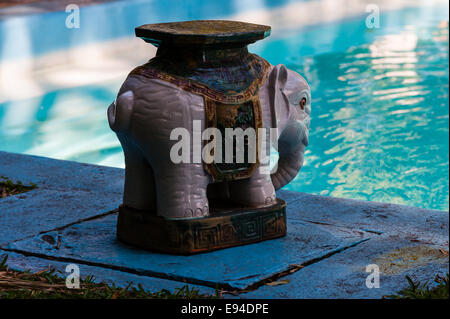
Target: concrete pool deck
(71, 218)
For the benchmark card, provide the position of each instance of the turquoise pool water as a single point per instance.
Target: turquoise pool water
(380, 112)
(380, 124)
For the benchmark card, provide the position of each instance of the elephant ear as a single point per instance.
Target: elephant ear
(279, 108)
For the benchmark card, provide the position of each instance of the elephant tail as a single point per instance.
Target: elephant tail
(119, 112)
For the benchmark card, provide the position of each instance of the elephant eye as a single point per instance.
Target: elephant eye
(302, 103)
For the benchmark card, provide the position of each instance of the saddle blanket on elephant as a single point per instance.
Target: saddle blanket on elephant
(231, 101)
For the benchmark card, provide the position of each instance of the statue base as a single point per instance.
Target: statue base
(225, 227)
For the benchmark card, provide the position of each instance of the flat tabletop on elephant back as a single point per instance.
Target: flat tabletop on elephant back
(202, 32)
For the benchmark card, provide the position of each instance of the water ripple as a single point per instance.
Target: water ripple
(380, 121)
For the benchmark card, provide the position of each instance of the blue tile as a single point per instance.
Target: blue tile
(343, 275)
(95, 242)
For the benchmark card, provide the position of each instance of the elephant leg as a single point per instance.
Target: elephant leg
(256, 191)
(181, 190)
(139, 190)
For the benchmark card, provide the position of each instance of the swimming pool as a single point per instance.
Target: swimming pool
(380, 110)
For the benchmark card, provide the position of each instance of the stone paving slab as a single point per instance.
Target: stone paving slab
(67, 193)
(95, 242)
(344, 275)
(120, 279)
(54, 174)
(408, 222)
(45, 209)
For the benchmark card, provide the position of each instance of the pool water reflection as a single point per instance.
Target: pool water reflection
(380, 111)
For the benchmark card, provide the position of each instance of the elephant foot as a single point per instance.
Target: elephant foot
(184, 209)
(196, 211)
(191, 205)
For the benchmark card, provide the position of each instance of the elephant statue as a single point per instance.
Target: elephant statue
(147, 110)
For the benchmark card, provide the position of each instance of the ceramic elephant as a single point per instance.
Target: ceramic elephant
(147, 110)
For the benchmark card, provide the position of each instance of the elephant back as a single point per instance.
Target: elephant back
(223, 109)
(211, 59)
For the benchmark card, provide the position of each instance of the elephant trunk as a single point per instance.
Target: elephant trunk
(119, 112)
(288, 167)
(291, 149)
